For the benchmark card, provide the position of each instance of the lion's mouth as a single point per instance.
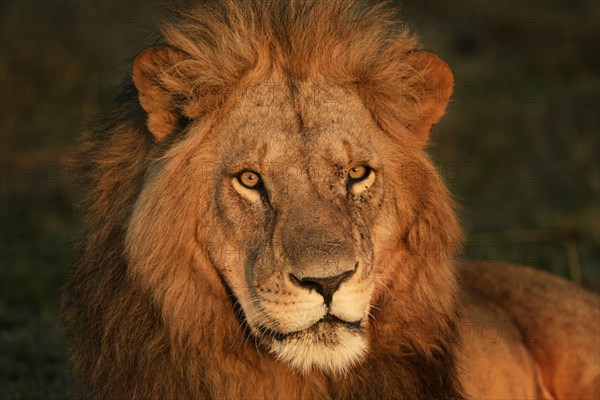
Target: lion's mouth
(326, 320)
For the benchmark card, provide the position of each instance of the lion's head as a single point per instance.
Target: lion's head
(282, 200)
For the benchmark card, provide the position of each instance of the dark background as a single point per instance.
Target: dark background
(518, 147)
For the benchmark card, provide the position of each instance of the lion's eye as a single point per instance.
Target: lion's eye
(358, 173)
(249, 179)
(360, 178)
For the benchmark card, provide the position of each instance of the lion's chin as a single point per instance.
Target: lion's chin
(325, 346)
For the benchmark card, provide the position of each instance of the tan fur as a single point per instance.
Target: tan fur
(189, 284)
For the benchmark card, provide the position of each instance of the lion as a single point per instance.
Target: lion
(263, 221)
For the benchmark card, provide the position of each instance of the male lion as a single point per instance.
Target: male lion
(263, 221)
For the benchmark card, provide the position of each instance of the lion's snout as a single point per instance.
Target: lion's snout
(319, 252)
(326, 286)
(313, 231)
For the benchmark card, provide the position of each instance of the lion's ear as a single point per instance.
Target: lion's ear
(150, 72)
(433, 88)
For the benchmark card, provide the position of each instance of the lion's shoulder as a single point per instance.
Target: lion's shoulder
(548, 315)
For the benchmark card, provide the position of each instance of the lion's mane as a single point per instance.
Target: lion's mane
(174, 333)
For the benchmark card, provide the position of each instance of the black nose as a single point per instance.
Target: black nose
(326, 287)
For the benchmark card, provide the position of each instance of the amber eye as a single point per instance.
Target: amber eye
(249, 179)
(359, 172)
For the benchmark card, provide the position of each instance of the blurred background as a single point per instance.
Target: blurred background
(519, 146)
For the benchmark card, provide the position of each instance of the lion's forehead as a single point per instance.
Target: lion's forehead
(329, 107)
(262, 113)
(293, 123)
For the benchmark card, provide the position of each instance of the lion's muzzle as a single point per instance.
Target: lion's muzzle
(324, 285)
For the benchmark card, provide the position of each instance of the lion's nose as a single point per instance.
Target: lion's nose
(326, 286)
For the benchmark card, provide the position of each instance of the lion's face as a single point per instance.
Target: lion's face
(293, 189)
(298, 190)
